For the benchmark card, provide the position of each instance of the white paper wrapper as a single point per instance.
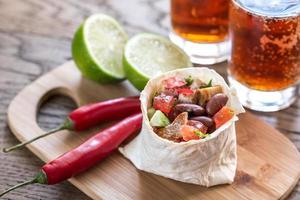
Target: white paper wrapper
(210, 161)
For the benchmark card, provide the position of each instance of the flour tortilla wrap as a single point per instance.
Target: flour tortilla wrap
(210, 161)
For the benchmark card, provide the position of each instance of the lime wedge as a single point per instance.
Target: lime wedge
(97, 49)
(147, 55)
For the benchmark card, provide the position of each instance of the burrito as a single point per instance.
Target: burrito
(188, 131)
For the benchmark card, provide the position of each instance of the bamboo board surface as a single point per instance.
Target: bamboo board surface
(268, 163)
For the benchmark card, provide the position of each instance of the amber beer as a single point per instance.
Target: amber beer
(200, 20)
(200, 27)
(265, 45)
(265, 50)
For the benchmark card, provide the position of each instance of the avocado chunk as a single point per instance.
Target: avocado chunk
(159, 119)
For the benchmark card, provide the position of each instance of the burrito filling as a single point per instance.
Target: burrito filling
(188, 109)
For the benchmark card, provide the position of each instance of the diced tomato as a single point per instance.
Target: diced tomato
(170, 92)
(197, 125)
(174, 82)
(185, 91)
(188, 133)
(222, 116)
(164, 103)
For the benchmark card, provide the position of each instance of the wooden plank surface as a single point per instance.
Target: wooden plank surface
(35, 37)
(259, 175)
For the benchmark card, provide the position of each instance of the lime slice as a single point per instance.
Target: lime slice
(97, 49)
(147, 55)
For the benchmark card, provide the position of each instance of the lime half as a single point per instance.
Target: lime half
(147, 55)
(97, 49)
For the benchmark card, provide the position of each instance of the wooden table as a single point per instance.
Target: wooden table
(35, 37)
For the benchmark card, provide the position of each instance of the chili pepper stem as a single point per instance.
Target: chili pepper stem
(39, 178)
(16, 186)
(6, 150)
(68, 124)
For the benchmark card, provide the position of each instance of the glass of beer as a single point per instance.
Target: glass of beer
(264, 65)
(200, 28)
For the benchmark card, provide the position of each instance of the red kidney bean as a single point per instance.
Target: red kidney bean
(198, 125)
(207, 121)
(192, 109)
(211, 129)
(216, 103)
(172, 115)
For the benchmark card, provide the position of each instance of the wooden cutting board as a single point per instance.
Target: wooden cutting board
(268, 163)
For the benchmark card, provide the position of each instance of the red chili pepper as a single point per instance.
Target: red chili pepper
(92, 114)
(87, 154)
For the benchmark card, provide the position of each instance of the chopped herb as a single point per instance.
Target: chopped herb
(200, 134)
(209, 84)
(189, 80)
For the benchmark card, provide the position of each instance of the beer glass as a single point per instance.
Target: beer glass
(200, 27)
(264, 65)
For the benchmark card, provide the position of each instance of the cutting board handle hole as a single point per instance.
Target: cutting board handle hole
(55, 104)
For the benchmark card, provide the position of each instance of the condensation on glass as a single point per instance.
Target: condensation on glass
(265, 55)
